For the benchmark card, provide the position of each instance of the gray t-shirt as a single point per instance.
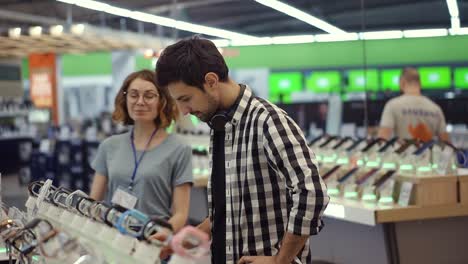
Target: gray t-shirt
(162, 168)
(413, 116)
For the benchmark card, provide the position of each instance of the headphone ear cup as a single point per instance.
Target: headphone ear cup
(218, 121)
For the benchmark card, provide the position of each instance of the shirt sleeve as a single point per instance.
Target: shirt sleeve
(99, 164)
(182, 172)
(294, 161)
(388, 118)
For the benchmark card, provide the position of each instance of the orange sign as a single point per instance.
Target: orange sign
(43, 82)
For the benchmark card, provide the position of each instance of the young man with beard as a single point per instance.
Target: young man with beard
(265, 194)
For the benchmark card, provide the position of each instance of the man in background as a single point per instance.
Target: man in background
(412, 115)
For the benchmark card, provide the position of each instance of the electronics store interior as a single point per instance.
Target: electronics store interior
(267, 131)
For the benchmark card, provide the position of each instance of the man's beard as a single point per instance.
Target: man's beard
(210, 111)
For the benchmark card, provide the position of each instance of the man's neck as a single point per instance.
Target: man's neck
(229, 93)
(412, 90)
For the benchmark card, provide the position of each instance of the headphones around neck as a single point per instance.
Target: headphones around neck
(221, 117)
(218, 121)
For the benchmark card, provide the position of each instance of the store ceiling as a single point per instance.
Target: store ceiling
(250, 17)
(242, 16)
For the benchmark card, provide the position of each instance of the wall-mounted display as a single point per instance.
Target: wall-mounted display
(461, 78)
(390, 80)
(435, 77)
(283, 84)
(324, 81)
(363, 80)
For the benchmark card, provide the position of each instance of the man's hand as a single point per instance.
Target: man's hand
(259, 260)
(165, 251)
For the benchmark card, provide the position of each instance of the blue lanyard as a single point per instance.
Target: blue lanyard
(138, 161)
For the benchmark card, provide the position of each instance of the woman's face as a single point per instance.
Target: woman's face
(142, 101)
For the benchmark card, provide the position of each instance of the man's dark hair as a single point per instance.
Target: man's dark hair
(189, 60)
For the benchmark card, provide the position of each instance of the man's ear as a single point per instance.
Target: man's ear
(211, 80)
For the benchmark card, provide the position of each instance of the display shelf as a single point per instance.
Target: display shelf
(23, 136)
(13, 113)
(3, 255)
(369, 214)
(463, 188)
(432, 190)
(414, 213)
(354, 211)
(196, 140)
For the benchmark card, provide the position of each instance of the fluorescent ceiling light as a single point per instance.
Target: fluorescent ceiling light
(336, 37)
(221, 42)
(303, 16)
(454, 13)
(391, 34)
(158, 20)
(453, 8)
(293, 39)
(455, 22)
(421, 33)
(459, 31)
(99, 6)
(56, 30)
(252, 42)
(149, 18)
(35, 31)
(77, 29)
(14, 32)
(210, 31)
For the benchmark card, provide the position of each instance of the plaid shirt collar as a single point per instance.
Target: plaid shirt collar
(238, 110)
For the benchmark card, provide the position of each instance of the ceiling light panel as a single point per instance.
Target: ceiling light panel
(158, 20)
(453, 8)
(423, 33)
(391, 34)
(301, 15)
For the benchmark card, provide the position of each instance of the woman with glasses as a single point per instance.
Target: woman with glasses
(146, 168)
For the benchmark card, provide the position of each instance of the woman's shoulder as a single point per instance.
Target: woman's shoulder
(115, 140)
(177, 142)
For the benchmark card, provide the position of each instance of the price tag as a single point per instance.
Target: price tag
(405, 193)
(42, 194)
(443, 162)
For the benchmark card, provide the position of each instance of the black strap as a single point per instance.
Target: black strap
(218, 190)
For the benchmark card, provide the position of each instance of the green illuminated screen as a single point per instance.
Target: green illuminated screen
(361, 81)
(324, 81)
(283, 84)
(390, 80)
(435, 77)
(461, 78)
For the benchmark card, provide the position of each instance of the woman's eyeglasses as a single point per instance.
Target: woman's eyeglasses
(148, 96)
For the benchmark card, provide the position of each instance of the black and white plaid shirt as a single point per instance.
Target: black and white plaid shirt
(272, 182)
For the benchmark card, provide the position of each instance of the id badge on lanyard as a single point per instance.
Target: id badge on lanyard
(125, 198)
